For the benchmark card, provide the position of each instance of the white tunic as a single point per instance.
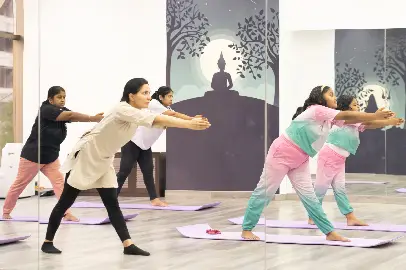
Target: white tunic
(145, 137)
(93, 165)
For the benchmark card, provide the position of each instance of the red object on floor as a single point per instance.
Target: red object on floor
(211, 231)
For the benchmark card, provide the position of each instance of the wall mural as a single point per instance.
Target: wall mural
(222, 62)
(371, 64)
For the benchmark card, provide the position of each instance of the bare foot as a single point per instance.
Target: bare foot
(158, 202)
(249, 235)
(7, 216)
(310, 222)
(70, 217)
(355, 222)
(333, 236)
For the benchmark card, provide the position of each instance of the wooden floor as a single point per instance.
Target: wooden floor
(98, 247)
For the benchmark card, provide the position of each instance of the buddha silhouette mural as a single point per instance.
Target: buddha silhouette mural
(221, 80)
(219, 65)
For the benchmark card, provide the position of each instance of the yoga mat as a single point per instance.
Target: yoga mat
(401, 190)
(21, 219)
(337, 225)
(366, 182)
(7, 239)
(147, 206)
(198, 231)
(90, 221)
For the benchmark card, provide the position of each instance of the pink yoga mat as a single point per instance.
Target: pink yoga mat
(90, 221)
(337, 225)
(147, 206)
(21, 219)
(401, 190)
(7, 239)
(198, 231)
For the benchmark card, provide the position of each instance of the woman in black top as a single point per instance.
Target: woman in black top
(52, 120)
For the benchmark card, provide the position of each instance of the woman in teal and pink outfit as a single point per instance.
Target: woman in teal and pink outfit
(341, 142)
(289, 155)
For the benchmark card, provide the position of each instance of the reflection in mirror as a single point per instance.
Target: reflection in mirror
(369, 66)
(17, 187)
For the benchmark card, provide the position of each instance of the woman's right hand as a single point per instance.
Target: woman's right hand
(97, 118)
(382, 115)
(198, 124)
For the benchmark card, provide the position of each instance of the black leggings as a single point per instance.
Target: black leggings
(68, 197)
(130, 154)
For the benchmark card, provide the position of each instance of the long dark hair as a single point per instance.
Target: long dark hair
(133, 86)
(344, 102)
(52, 92)
(162, 91)
(315, 98)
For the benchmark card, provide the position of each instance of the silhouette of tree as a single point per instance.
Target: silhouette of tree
(255, 56)
(348, 81)
(391, 63)
(186, 31)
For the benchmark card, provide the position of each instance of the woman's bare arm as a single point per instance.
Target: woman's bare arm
(79, 117)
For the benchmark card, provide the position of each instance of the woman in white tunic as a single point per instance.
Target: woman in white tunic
(138, 150)
(90, 164)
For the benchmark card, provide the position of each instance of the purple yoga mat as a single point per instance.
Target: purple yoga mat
(198, 231)
(90, 221)
(337, 225)
(21, 219)
(7, 239)
(366, 182)
(401, 190)
(147, 206)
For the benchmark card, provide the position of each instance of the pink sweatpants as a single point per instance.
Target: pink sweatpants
(285, 158)
(27, 170)
(331, 171)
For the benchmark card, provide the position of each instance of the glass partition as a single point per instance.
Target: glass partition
(18, 196)
(213, 55)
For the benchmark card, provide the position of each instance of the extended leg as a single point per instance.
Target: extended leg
(342, 200)
(26, 172)
(272, 175)
(110, 201)
(51, 171)
(68, 197)
(324, 178)
(129, 155)
(302, 183)
(145, 161)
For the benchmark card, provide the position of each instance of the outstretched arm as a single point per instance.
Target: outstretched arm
(146, 118)
(383, 123)
(54, 113)
(170, 121)
(79, 117)
(352, 117)
(177, 115)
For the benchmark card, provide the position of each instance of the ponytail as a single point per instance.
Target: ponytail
(162, 91)
(299, 110)
(315, 98)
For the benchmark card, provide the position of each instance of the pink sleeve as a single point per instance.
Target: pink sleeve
(361, 127)
(339, 123)
(323, 113)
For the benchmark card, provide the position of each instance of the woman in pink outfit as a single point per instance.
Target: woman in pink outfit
(51, 124)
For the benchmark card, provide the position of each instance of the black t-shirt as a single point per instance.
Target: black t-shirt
(52, 134)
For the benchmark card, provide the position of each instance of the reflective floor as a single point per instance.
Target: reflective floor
(98, 247)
